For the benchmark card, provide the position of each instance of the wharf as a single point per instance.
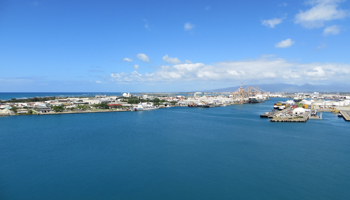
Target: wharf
(270, 114)
(346, 115)
(316, 116)
(290, 118)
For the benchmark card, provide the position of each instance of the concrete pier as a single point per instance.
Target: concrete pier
(290, 117)
(346, 115)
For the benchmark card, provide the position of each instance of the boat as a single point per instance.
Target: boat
(297, 99)
(313, 113)
(340, 115)
(203, 106)
(277, 105)
(282, 107)
(256, 99)
(200, 105)
(144, 107)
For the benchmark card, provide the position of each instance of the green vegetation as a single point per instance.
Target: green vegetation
(133, 100)
(115, 106)
(58, 108)
(101, 106)
(157, 101)
(14, 109)
(83, 107)
(173, 102)
(34, 99)
(298, 117)
(300, 104)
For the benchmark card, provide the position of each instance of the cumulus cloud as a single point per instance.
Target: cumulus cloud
(171, 60)
(320, 12)
(268, 69)
(143, 57)
(272, 22)
(136, 67)
(127, 60)
(285, 43)
(98, 82)
(127, 77)
(331, 30)
(188, 26)
(188, 61)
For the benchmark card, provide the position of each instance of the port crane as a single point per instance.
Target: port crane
(240, 94)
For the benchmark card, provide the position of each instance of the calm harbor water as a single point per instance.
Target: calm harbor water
(174, 153)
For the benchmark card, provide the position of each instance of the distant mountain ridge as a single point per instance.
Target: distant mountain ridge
(289, 88)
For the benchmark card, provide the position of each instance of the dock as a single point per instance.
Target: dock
(287, 116)
(346, 115)
(316, 116)
(270, 114)
(292, 119)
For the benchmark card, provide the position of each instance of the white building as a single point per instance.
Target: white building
(299, 111)
(126, 95)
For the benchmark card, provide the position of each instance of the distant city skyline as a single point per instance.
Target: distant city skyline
(160, 46)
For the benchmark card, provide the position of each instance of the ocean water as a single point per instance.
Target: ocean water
(18, 95)
(174, 153)
(24, 95)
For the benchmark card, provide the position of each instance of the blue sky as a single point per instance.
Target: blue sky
(154, 46)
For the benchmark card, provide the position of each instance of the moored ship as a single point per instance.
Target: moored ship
(144, 107)
(297, 99)
(256, 99)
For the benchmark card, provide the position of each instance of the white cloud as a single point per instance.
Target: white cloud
(272, 22)
(126, 77)
(331, 30)
(316, 72)
(171, 60)
(188, 26)
(320, 12)
(285, 43)
(284, 4)
(143, 57)
(127, 60)
(98, 82)
(261, 69)
(188, 61)
(136, 67)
